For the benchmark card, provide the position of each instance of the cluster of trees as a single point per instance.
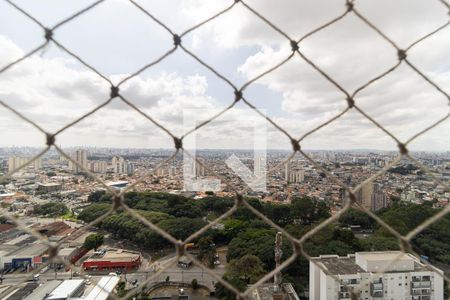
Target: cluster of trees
(51, 209)
(240, 272)
(434, 241)
(248, 236)
(403, 170)
(175, 214)
(93, 241)
(206, 251)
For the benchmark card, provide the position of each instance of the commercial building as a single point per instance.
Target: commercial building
(103, 288)
(73, 290)
(27, 256)
(67, 289)
(112, 259)
(359, 273)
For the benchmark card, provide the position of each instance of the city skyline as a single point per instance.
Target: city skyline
(52, 88)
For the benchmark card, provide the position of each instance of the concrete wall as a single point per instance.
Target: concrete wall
(314, 281)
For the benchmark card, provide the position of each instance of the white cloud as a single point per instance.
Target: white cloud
(54, 90)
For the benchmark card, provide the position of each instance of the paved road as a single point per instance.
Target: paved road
(174, 272)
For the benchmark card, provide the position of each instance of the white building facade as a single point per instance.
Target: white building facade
(406, 279)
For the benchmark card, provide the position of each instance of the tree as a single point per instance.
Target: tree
(194, 284)
(207, 250)
(121, 289)
(357, 217)
(94, 211)
(257, 242)
(306, 210)
(93, 241)
(51, 209)
(248, 268)
(224, 293)
(96, 196)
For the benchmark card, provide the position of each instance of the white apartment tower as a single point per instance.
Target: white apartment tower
(98, 166)
(293, 175)
(359, 273)
(80, 158)
(14, 162)
(119, 165)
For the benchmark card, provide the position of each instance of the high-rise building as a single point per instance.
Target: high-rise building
(260, 168)
(372, 197)
(37, 164)
(359, 274)
(81, 159)
(119, 165)
(14, 162)
(199, 170)
(130, 168)
(172, 171)
(293, 175)
(379, 198)
(364, 195)
(98, 166)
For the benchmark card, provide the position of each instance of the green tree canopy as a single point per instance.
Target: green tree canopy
(93, 241)
(51, 209)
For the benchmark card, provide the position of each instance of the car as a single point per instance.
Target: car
(112, 274)
(76, 274)
(87, 282)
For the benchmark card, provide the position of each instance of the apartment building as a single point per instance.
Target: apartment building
(406, 279)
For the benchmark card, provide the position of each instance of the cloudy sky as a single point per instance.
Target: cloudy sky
(53, 89)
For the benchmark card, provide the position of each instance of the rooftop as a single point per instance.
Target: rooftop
(384, 255)
(114, 255)
(103, 288)
(41, 291)
(267, 291)
(30, 250)
(337, 265)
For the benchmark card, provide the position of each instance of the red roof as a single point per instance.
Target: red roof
(6, 227)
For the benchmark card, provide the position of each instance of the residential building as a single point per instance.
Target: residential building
(14, 162)
(359, 273)
(119, 165)
(364, 195)
(81, 159)
(372, 196)
(130, 168)
(98, 166)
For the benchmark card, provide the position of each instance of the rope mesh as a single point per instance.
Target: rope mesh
(350, 8)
